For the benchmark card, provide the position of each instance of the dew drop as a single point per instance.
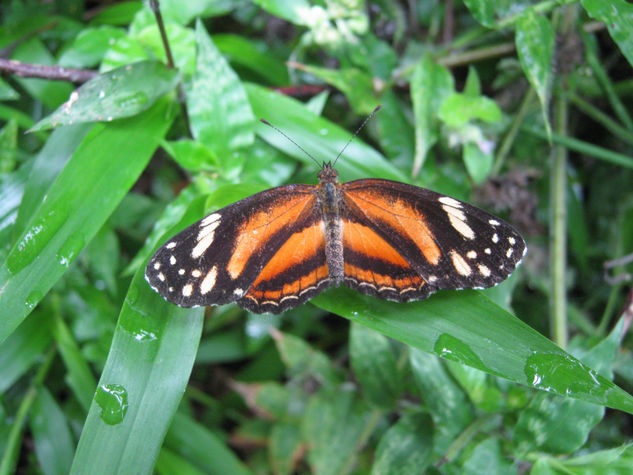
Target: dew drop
(112, 400)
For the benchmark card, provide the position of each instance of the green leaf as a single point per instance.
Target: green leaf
(458, 109)
(303, 361)
(79, 377)
(535, 47)
(447, 403)
(82, 197)
(220, 115)
(295, 11)
(478, 163)
(23, 349)
(395, 130)
(118, 14)
(202, 447)
(430, 85)
(374, 366)
(169, 463)
(333, 428)
(357, 85)
(123, 92)
(561, 426)
(487, 458)
(245, 52)
(191, 155)
(483, 11)
(318, 136)
(54, 445)
(89, 47)
(406, 448)
(184, 12)
(617, 15)
(47, 165)
(50, 92)
(7, 93)
(148, 367)
(265, 164)
(614, 461)
(467, 327)
(285, 448)
(477, 385)
(8, 146)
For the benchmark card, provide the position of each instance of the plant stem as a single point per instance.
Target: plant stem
(11, 452)
(604, 80)
(508, 140)
(582, 147)
(600, 117)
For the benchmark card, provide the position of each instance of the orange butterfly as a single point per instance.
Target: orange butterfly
(276, 249)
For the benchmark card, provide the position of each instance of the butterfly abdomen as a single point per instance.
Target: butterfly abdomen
(329, 197)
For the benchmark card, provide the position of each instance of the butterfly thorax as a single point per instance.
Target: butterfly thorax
(329, 196)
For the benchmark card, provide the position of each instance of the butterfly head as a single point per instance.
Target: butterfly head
(328, 174)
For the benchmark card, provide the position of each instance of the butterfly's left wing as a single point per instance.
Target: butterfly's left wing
(402, 242)
(265, 252)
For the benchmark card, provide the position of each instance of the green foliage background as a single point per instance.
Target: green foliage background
(521, 107)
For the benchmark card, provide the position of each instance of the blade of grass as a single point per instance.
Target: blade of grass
(467, 327)
(144, 378)
(101, 171)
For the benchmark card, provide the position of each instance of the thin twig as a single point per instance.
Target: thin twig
(28, 70)
(154, 5)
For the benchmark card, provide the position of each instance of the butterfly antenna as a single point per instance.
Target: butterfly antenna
(356, 133)
(264, 121)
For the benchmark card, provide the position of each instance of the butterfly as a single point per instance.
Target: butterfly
(276, 249)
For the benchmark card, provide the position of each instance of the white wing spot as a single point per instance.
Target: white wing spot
(181, 271)
(187, 290)
(171, 289)
(488, 251)
(196, 273)
(458, 213)
(483, 270)
(161, 277)
(509, 252)
(495, 238)
(432, 279)
(239, 292)
(212, 218)
(460, 226)
(471, 255)
(460, 264)
(512, 241)
(205, 230)
(157, 266)
(171, 245)
(494, 222)
(209, 280)
(202, 245)
(447, 200)
(172, 260)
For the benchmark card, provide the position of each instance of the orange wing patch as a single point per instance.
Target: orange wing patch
(257, 229)
(399, 216)
(374, 267)
(302, 259)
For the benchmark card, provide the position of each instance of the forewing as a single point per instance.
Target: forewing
(448, 243)
(216, 260)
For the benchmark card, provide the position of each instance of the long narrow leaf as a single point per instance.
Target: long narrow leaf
(101, 171)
